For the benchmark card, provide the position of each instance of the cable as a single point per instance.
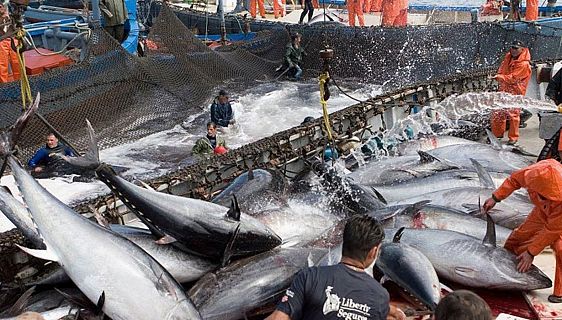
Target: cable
(32, 43)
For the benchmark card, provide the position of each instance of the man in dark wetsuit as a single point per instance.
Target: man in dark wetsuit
(308, 9)
(345, 290)
(221, 110)
(293, 56)
(46, 163)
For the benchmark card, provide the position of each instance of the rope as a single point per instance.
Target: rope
(24, 81)
(324, 77)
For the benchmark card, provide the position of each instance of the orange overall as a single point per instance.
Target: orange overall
(394, 13)
(9, 64)
(355, 7)
(253, 8)
(279, 8)
(373, 5)
(543, 226)
(532, 10)
(513, 77)
(491, 7)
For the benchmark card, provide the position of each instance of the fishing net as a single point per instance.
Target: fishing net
(128, 97)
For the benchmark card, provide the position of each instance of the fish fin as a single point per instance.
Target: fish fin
(490, 238)
(21, 122)
(309, 260)
(290, 241)
(465, 272)
(41, 254)
(228, 249)
(79, 300)
(485, 178)
(7, 190)
(19, 306)
(379, 195)
(167, 239)
(426, 157)
(398, 235)
(99, 305)
(99, 218)
(472, 208)
(145, 185)
(494, 142)
(250, 174)
(413, 208)
(91, 159)
(234, 211)
(523, 152)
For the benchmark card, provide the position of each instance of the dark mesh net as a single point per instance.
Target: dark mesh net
(127, 97)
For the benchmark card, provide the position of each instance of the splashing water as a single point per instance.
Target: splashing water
(448, 112)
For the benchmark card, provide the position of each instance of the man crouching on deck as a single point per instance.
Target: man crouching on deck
(543, 226)
(345, 290)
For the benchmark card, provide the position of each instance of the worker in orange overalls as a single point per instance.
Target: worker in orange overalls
(355, 7)
(543, 226)
(513, 76)
(373, 6)
(394, 13)
(253, 8)
(491, 7)
(9, 63)
(278, 8)
(532, 10)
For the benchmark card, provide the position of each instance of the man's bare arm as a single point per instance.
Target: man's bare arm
(278, 315)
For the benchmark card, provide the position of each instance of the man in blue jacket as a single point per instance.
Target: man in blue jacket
(45, 163)
(221, 110)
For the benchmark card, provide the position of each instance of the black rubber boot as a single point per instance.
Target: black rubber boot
(554, 299)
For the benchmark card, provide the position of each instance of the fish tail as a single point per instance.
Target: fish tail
(91, 159)
(8, 139)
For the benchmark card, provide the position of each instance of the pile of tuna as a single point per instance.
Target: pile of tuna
(239, 254)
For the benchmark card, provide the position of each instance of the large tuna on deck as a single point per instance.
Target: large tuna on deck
(234, 291)
(466, 260)
(201, 227)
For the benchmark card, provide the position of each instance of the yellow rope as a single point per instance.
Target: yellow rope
(324, 77)
(24, 81)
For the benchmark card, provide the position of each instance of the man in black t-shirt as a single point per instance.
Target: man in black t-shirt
(343, 291)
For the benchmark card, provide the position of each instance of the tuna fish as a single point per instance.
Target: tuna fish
(438, 217)
(467, 260)
(437, 182)
(411, 147)
(399, 169)
(256, 190)
(411, 270)
(234, 291)
(100, 262)
(184, 267)
(509, 213)
(204, 228)
(494, 157)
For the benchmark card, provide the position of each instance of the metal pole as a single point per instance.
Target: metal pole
(96, 13)
(220, 11)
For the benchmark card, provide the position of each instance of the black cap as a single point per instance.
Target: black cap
(295, 35)
(223, 93)
(307, 120)
(517, 44)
